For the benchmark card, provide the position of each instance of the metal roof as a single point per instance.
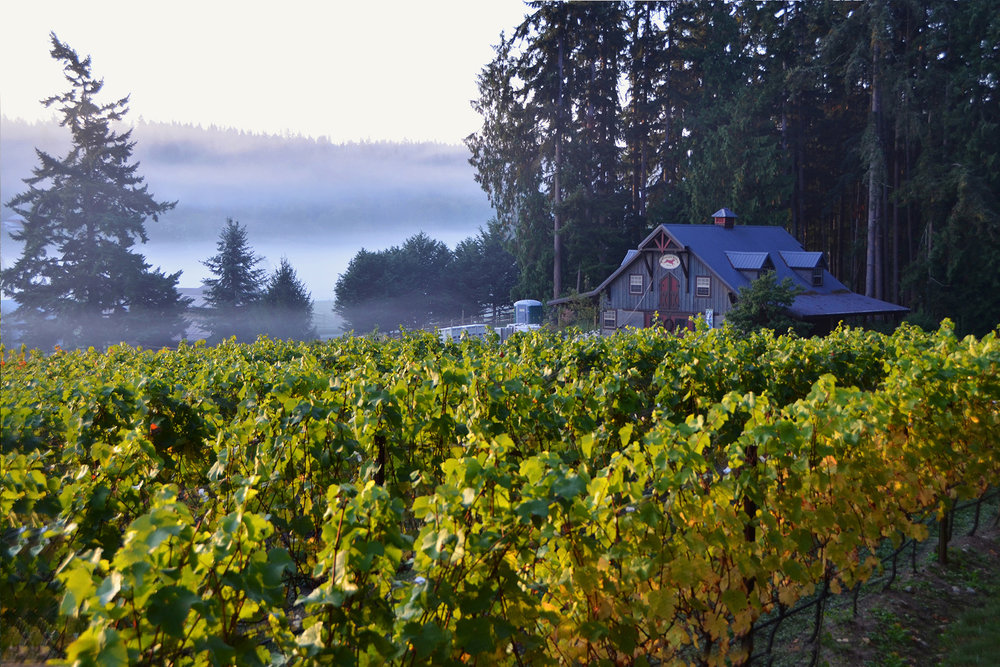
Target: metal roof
(724, 213)
(842, 303)
(747, 261)
(803, 260)
(725, 250)
(714, 244)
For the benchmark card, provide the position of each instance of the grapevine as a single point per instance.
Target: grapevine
(410, 501)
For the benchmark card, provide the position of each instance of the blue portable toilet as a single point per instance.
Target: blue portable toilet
(528, 311)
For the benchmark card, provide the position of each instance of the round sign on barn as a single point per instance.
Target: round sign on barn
(670, 261)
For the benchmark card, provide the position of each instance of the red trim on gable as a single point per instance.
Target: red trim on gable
(660, 241)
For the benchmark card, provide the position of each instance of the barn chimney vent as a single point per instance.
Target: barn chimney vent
(724, 218)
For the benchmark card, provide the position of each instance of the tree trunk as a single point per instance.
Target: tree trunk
(873, 261)
(556, 191)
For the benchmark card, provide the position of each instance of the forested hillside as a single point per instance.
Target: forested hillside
(867, 129)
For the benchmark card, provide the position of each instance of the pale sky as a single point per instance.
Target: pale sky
(393, 70)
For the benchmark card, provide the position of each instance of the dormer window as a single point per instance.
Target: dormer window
(808, 265)
(750, 264)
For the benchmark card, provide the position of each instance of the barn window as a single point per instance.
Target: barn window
(703, 287)
(635, 285)
(610, 319)
(817, 277)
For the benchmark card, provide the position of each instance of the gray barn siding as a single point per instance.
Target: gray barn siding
(719, 299)
(631, 318)
(618, 294)
(629, 306)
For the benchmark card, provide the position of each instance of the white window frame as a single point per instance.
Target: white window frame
(636, 284)
(817, 277)
(609, 319)
(703, 287)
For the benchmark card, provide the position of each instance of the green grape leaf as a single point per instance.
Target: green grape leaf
(168, 608)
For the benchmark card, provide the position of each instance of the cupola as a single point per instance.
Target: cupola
(724, 218)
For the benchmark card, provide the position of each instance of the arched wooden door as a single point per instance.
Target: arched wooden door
(670, 294)
(670, 313)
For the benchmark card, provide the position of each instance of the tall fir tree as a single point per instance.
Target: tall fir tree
(286, 306)
(546, 154)
(78, 279)
(505, 157)
(732, 150)
(236, 288)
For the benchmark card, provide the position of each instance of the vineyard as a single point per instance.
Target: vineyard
(549, 500)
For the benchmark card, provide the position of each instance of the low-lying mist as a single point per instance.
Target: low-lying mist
(313, 202)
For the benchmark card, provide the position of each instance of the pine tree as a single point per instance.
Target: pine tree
(78, 280)
(286, 306)
(233, 293)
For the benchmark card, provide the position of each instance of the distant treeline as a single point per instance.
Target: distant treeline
(423, 283)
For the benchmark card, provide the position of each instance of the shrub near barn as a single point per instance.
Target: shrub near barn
(549, 499)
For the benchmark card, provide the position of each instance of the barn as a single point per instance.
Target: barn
(680, 271)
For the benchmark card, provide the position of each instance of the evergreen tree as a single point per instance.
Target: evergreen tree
(506, 157)
(233, 293)
(421, 284)
(361, 291)
(78, 279)
(155, 309)
(412, 285)
(732, 145)
(764, 305)
(286, 306)
(484, 274)
(547, 154)
(955, 183)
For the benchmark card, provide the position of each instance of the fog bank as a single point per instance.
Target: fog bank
(314, 202)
